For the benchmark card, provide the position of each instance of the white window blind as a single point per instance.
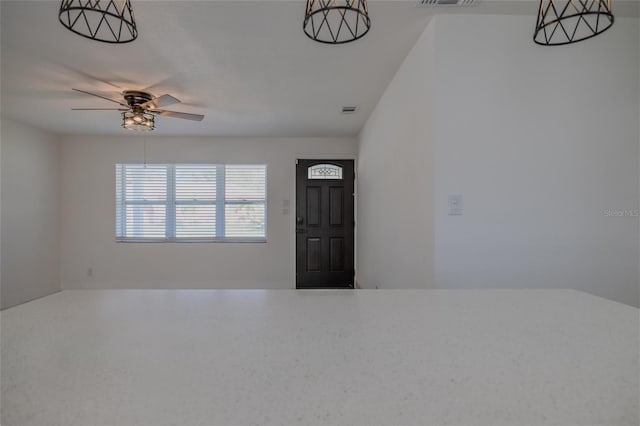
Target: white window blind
(191, 202)
(196, 192)
(244, 201)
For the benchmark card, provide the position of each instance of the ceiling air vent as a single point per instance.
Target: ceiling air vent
(431, 3)
(349, 109)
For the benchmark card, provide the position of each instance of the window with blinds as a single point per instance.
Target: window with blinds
(191, 202)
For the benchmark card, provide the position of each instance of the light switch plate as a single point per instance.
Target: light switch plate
(455, 205)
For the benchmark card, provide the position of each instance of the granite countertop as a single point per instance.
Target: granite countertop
(244, 357)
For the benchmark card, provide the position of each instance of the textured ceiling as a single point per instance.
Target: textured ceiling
(246, 65)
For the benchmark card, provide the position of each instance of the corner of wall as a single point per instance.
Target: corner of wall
(395, 186)
(30, 233)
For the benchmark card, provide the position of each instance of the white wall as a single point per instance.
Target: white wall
(88, 215)
(395, 179)
(540, 142)
(30, 213)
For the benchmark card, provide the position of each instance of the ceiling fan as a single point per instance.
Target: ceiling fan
(139, 109)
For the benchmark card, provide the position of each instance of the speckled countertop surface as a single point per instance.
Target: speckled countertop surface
(244, 357)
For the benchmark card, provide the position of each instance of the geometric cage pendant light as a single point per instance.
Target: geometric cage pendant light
(110, 21)
(336, 21)
(138, 119)
(569, 21)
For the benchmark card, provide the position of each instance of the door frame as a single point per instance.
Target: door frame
(293, 207)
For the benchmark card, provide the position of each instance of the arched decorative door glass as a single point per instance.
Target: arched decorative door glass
(324, 171)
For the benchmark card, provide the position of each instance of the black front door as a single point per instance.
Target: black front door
(324, 224)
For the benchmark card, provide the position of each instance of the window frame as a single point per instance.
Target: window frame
(171, 206)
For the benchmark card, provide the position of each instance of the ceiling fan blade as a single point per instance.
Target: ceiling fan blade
(100, 96)
(99, 109)
(160, 102)
(174, 114)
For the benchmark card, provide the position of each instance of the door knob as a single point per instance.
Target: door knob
(299, 220)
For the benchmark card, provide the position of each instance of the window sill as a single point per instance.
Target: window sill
(191, 240)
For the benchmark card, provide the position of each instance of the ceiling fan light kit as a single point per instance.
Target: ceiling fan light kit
(109, 21)
(336, 21)
(138, 120)
(563, 22)
(139, 109)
